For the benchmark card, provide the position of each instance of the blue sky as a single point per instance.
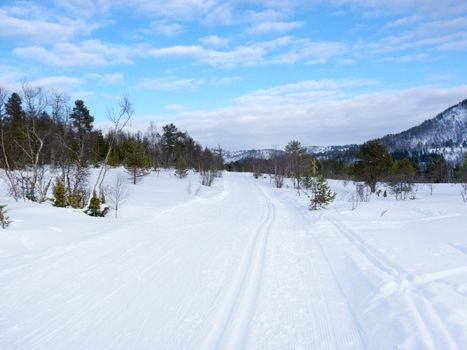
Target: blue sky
(245, 74)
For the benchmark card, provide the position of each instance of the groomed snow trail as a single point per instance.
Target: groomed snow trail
(247, 268)
(232, 323)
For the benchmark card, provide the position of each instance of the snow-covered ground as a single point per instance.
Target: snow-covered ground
(241, 265)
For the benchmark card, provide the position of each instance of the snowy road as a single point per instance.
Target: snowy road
(247, 268)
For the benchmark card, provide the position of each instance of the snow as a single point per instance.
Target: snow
(237, 265)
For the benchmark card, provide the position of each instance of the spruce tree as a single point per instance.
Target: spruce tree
(59, 193)
(321, 194)
(94, 207)
(14, 123)
(136, 159)
(81, 118)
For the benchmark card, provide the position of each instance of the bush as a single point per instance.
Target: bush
(181, 168)
(4, 219)
(207, 177)
(96, 207)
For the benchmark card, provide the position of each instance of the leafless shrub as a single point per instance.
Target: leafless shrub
(362, 192)
(431, 187)
(464, 192)
(118, 193)
(207, 177)
(278, 180)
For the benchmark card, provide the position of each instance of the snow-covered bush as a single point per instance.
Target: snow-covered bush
(96, 206)
(4, 219)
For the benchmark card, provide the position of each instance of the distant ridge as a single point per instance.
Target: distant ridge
(444, 134)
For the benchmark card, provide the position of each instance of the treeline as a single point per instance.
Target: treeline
(47, 141)
(419, 166)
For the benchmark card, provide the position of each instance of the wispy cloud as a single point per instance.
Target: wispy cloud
(274, 27)
(41, 30)
(107, 78)
(215, 41)
(86, 53)
(280, 50)
(175, 83)
(165, 28)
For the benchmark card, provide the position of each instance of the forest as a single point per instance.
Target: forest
(48, 143)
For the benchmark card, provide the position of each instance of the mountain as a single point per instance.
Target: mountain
(444, 134)
(326, 152)
(234, 156)
(447, 129)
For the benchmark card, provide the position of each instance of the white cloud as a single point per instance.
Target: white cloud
(59, 83)
(175, 83)
(274, 27)
(215, 41)
(108, 78)
(316, 113)
(165, 28)
(281, 50)
(432, 8)
(86, 53)
(175, 107)
(39, 30)
(242, 55)
(12, 77)
(409, 58)
(175, 9)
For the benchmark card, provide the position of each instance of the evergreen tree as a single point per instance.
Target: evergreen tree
(374, 163)
(181, 168)
(172, 143)
(59, 193)
(4, 219)
(437, 169)
(81, 118)
(321, 194)
(94, 207)
(14, 123)
(137, 162)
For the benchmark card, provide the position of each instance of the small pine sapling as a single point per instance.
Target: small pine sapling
(59, 193)
(321, 194)
(96, 207)
(4, 219)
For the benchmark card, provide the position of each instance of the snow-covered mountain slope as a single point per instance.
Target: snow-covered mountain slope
(241, 265)
(444, 134)
(318, 151)
(233, 156)
(447, 129)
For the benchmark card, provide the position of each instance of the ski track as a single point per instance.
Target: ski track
(424, 315)
(231, 325)
(354, 338)
(246, 268)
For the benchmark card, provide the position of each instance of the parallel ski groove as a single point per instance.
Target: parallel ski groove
(231, 326)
